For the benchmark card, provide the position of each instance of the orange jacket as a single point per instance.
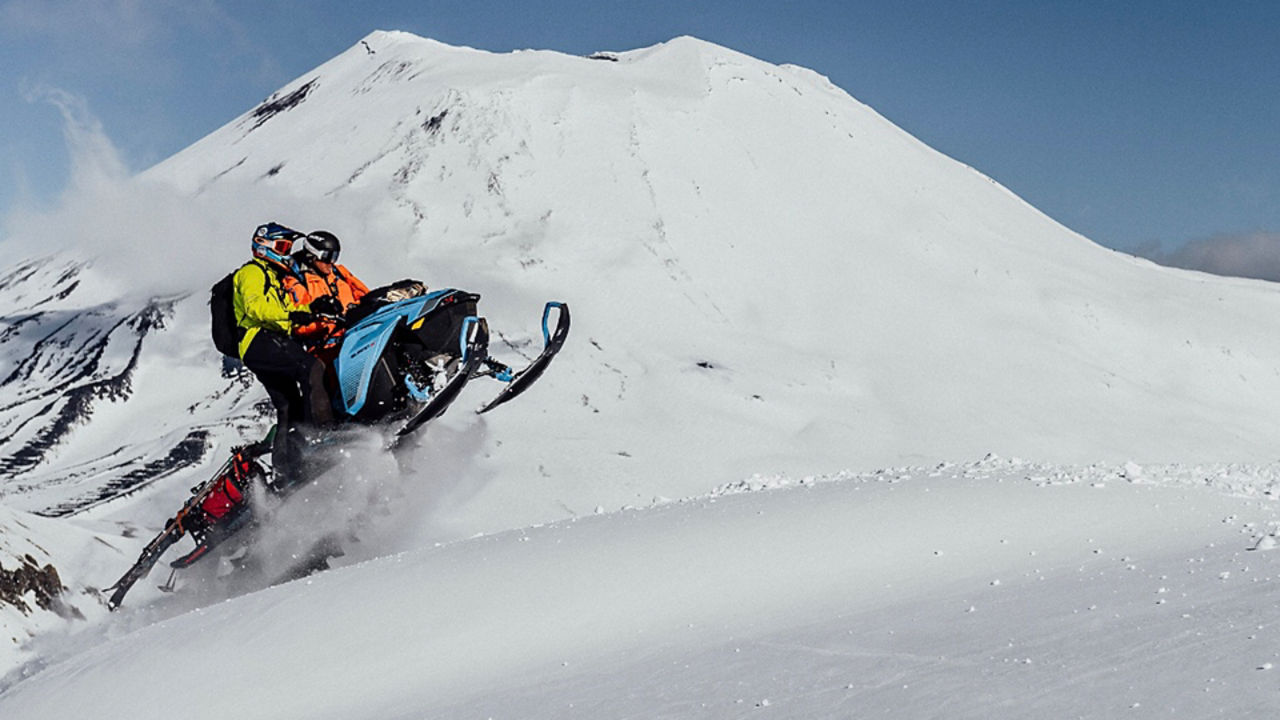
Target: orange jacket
(339, 283)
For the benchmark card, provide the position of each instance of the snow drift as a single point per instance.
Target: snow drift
(998, 587)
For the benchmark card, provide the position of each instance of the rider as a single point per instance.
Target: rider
(328, 289)
(271, 315)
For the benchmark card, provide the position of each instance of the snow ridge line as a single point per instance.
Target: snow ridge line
(1236, 479)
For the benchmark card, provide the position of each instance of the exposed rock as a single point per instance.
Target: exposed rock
(278, 103)
(30, 577)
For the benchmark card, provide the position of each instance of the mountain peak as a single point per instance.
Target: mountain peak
(385, 40)
(741, 239)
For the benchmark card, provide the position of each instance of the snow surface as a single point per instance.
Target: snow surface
(990, 589)
(776, 294)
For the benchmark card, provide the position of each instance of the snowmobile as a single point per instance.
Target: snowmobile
(410, 358)
(404, 359)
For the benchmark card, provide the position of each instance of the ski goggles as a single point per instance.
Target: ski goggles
(277, 238)
(308, 244)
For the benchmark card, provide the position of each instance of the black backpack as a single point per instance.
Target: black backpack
(226, 333)
(222, 310)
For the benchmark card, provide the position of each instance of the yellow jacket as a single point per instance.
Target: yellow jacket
(261, 302)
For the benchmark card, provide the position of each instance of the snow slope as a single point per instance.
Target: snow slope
(749, 236)
(770, 283)
(994, 589)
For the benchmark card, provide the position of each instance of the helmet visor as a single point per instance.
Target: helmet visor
(316, 248)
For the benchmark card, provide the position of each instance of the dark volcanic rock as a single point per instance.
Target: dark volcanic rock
(30, 577)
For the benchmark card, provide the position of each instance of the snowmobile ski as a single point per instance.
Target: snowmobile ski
(552, 342)
(474, 342)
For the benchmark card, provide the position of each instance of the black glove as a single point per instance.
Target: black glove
(327, 305)
(301, 317)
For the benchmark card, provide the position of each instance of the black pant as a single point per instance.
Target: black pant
(294, 379)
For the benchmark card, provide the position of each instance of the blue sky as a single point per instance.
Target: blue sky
(1141, 124)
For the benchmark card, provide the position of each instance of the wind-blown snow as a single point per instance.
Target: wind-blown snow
(775, 292)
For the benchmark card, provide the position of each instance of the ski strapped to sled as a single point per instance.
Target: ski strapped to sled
(216, 508)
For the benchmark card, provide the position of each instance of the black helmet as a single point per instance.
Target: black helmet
(319, 245)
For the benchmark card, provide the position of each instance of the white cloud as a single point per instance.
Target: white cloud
(120, 58)
(1250, 255)
(94, 158)
(106, 212)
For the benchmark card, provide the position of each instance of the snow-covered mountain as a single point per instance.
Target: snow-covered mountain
(768, 279)
(736, 238)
